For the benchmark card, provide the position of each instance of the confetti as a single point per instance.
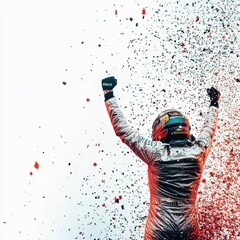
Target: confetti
(36, 165)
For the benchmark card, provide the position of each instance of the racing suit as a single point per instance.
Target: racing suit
(174, 174)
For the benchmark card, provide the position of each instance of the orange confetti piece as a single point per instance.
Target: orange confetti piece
(36, 165)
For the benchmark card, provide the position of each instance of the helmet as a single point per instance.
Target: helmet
(171, 126)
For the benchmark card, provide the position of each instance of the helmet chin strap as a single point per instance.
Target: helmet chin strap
(192, 138)
(180, 142)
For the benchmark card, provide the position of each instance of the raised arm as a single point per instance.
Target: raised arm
(144, 148)
(210, 123)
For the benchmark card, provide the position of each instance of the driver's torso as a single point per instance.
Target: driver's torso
(174, 178)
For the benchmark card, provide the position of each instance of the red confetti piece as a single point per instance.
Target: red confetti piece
(116, 12)
(212, 174)
(31, 173)
(227, 140)
(183, 44)
(113, 218)
(187, 80)
(143, 11)
(36, 165)
(228, 178)
(197, 18)
(104, 205)
(87, 99)
(95, 164)
(120, 197)
(231, 154)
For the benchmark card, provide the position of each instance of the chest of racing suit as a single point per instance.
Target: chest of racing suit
(174, 174)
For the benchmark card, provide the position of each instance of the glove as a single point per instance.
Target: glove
(214, 95)
(107, 85)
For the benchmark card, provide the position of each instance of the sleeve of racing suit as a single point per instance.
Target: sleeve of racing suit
(145, 149)
(208, 130)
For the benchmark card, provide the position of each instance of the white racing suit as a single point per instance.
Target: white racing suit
(174, 174)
